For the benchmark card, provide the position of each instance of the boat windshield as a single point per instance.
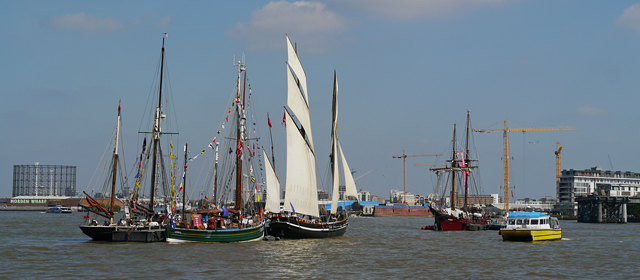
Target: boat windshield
(511, 222)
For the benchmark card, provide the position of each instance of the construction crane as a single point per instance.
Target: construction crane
(557, 152)
(404, 158)
(505, 136)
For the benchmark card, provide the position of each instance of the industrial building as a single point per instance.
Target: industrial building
(44, 180)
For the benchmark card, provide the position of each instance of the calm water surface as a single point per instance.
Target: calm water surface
(38, 245)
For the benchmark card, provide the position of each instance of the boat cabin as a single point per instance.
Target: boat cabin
(531, 220)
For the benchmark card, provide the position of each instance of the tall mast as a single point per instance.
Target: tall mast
(453, 172)
(184, 183)
(115, 162)
(240, 146)
(215, 179)
(156, 131)
(466, 163)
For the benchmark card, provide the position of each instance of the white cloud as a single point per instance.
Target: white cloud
(590, 111)
(308, 22)
(164, 21)
(411, 9)
(630, 18)
(84, 22)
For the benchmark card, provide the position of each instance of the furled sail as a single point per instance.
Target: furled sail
(272, 203)
(301, 194)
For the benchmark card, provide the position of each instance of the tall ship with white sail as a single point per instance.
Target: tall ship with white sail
(302, 217)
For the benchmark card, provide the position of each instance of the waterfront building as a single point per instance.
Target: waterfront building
(482, 199)
(579, 183)
(44, 180)
(398, 196)
(364, 195)
(378, 199)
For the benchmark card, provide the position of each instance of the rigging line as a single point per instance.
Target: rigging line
(106, 149)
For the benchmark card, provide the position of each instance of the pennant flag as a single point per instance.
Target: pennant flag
(202, 152)
(171, 144)
(284, 120)
(119, 107)
(466, 172)
(292, 209)
(214, 140)
(267, 118)
(227, 118)
(239, 147)
(512, 194)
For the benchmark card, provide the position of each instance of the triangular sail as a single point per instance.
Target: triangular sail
(272, 203)
(350, 183)
(301, 194)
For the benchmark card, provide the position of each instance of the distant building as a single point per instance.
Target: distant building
(44, 180)
(483, 199)
(364, 195)
(578, 183)
(378, 199)
(397, 196)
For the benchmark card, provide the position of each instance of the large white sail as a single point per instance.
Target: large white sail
(294, 62)
(298, 105)
(272, 203)
(301, 194)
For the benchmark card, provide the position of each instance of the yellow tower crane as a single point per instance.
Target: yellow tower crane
(505, 137)
(557, 152)
(404, 157)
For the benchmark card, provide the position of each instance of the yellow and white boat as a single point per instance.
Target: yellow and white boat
(531, 226)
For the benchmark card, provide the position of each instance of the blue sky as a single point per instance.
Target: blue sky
(408, 70)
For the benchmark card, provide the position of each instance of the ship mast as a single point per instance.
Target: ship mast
(115, 163)
(453, 172)
(241, 121)
(184, 179)
(156, 131)
(466, 173)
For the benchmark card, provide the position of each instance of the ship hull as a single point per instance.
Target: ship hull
(179, 235)
(293, 228)
(531, 234)
(124, 234)
(450, 222)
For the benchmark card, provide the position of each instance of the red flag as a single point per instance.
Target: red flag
(239, 147)
(284, 120)
(512, 194)
(118, 108)
(269, 121)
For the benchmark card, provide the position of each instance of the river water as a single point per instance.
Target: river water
(39, 245)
